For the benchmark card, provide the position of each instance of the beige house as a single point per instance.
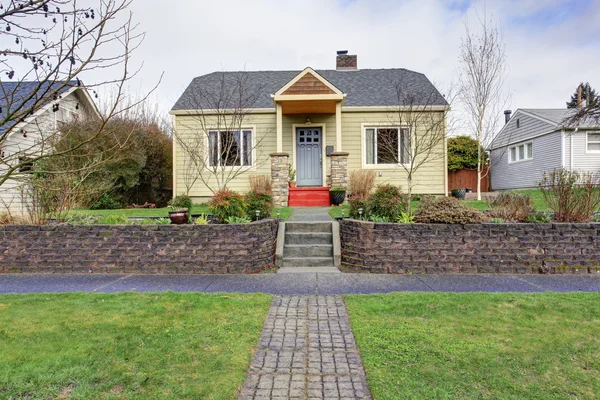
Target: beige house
(324, 123)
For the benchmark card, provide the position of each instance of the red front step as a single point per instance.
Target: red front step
(309, 197)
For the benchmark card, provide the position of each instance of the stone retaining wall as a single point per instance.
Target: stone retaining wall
(169, 249)
(473, 248)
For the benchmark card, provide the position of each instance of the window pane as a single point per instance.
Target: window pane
(370, 145)
(593, 137)
(213, 149)
(387, 146)
(521, 152)
(530, 150)
(248, 148)
(230, 148)
(513, 154)
(594, 146)
(405, 146)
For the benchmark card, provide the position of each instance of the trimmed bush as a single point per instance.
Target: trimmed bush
(227, 203)
(386, 201)
(447, 210)
(258, 201)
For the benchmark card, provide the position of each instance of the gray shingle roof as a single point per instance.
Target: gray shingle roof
(13, 95)
(364, 87)
(559, 115)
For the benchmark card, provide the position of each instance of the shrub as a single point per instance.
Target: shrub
(227, 203)
(377, 218)
(232, 219)
(386, 201)
(573, 196)
(155, 221)
(181, 202)
(107, 201)
(337, 189)
(462, 153)
(258, 201)
(539, 217)
(512, 207)
(406, 218)
(114, 220)
(361, 183)
(201, 220)
(447, 210)
(354, 204)
(82, 219)
(261, 184)
(291, 173)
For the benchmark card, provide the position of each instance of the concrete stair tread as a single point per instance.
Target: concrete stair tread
(308, 245)
(308, 261)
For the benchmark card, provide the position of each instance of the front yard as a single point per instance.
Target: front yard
(133, 346)
(474, 346)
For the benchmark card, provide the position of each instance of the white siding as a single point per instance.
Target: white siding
(547, 155)
(528, 128)
(13, 195)
(582, 160)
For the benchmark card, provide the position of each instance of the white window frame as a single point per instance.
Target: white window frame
(587, 141)
(516, 147)
(364, 128)
(252, 152)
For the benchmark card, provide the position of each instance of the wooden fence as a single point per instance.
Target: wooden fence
(467, 178)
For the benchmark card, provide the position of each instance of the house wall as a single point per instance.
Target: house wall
(547, 155)
(582, 160)
(429, 179)
(528, 127)
(13, 192)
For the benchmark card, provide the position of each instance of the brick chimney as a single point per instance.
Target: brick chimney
(345, 61)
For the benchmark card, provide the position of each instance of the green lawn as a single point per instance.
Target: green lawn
(127, 346)
(479, 346)
(164, 212)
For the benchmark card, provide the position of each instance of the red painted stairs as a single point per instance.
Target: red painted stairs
(309, 197)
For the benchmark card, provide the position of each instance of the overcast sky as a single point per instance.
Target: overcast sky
(551, 45)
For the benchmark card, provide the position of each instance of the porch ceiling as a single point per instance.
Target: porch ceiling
(308, 107)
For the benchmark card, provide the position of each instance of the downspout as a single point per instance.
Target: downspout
(571, 154)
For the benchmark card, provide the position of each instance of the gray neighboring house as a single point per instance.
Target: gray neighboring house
(534, 141)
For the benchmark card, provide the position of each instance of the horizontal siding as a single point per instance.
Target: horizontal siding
(430, 178)
(528, 128)
(547, 155)
(44, 126)
(582, 159)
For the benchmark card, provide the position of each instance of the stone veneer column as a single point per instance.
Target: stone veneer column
(279, 178)
(339, 169)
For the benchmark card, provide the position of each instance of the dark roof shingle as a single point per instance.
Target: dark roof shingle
(364, 87)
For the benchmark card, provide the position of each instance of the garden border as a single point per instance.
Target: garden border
(164, 249)
(470, 248)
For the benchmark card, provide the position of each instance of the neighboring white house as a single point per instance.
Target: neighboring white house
(52, 105)
(534, 141)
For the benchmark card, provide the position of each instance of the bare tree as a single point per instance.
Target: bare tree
(586, 110)
(482, 63)
(215, 138)
(417, 133)
(47, 47)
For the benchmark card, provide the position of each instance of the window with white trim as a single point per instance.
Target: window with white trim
(593, 141)
(520, 152)
(387, 145)
(230, 148)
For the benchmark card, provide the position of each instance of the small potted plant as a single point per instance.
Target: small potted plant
(179, 209)
(291, 176)
(337, 195)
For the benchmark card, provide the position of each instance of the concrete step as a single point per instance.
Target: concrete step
(308, 262)
(308, 270)
(307, 238)
(308, 250)
(323, 227)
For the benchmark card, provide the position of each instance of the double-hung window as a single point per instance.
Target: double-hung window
(387, 145)
(520, 152)
(230, 148)
(593, 141)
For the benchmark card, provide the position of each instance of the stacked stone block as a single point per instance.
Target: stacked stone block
(471, 248)
(339, 169)
(165, 249)
(279, 178)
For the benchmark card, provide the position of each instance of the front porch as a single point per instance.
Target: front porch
(307, 108)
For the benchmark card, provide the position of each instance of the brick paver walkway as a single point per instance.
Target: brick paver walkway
(307, 351)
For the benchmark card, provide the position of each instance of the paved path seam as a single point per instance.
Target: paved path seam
(306, 351)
